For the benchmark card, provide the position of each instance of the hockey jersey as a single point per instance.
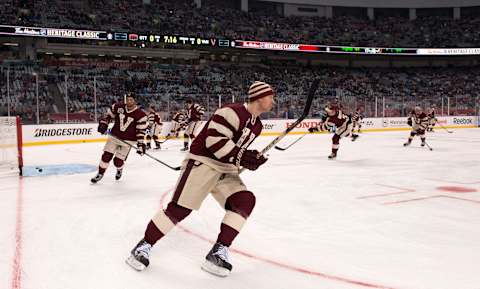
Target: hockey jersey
(229, 129)
(180, 117)
(339, 120)
(195, 112)
(128, 124)
(419, 121)
(154, 118)
(357, 116)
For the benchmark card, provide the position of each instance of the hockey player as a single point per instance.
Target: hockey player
(178, 123)
(194, 115)
(154, 128)
(212, 166)
(432, 120)
(129, 125)
(356, 122)
(335, 119)
(419, 121)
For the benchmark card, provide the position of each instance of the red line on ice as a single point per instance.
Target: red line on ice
(463, 199)
(17, 257)
(277, 263)
(402, 191)
(412, 200)
(431, 197)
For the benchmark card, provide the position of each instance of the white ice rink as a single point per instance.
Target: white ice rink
(380, 216)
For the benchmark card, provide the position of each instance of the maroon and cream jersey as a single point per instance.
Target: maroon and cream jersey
(128, 125)
(338, 120)
(230, 129)
(195, 112)
(180, 117)
(357, 116)
(154, 118)
(420, 121)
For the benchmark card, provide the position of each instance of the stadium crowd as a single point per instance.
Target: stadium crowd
(167, 86)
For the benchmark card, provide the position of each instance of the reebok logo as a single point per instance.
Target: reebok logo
(462, 120)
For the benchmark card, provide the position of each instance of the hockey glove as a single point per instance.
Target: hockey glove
(141, 148)
(313, 129)
(249, 159)
(409, 121)
(102, 127)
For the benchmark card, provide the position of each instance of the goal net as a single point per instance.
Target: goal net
(10, 145)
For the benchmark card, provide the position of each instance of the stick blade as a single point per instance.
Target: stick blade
(279, 148)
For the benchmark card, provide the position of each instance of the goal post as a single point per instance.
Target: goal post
(11, 153)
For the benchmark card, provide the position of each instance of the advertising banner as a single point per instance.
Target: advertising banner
(60, 133)
(87, 132)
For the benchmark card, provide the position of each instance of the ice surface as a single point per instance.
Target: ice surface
(374, 218)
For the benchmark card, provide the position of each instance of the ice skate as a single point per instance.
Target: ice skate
(118, 175)
(407, 143)
(96, 178)
(139, 258)
(216, 261)
(332, 156)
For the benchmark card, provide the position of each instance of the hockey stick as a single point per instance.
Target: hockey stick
(166, 138)
(449, 131)
(148, 155)
(306, 111)
(171, 136)
(288, 146)
(428, 146)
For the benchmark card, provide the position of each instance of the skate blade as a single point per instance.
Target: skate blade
(215, 270)
(135, 264)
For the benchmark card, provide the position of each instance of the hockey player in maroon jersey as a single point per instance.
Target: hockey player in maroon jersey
(432, 120)
(194, 115)
(335, 120)
(212, 166)
(356, 122)
(129, 125)
(178, 123)
(419, 121)
(154, 128)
